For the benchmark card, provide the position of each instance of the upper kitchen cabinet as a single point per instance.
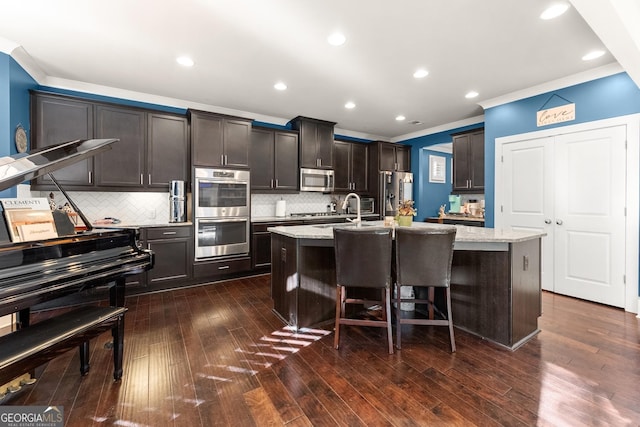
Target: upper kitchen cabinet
(167, 149)
(273, 158)
(152, 147)
(219, 140)
(351, 165)
(123, 165)
(56, 119)
(468, 162)
(393, 157)
(316, 142)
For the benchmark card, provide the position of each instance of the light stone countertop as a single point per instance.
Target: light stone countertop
(308, 218)
(464, 234)
(142, 225)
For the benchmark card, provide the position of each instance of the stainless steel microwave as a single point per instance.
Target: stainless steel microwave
(316, 180)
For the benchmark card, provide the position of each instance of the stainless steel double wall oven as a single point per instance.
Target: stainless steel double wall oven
(222, 212)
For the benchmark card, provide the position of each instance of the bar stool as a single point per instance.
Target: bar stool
(363, 260)
(423, 260)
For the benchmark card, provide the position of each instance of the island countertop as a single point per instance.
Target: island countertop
(464, 234)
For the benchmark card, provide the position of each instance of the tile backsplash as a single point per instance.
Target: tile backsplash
(306, 202)
(153, 208)
(131, 208)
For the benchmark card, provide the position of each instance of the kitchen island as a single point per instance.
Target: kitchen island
(495, 279)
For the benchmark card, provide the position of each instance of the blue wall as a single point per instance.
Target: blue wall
(14, 106)
(608, 97)
(429, 196)
(432, 195)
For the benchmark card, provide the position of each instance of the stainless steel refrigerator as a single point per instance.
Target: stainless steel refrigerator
(395, 187)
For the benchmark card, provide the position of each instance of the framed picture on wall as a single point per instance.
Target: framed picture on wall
(437, 169)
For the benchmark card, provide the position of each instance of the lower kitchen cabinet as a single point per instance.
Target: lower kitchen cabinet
(261, 243)
(215, 269)
(172, 247)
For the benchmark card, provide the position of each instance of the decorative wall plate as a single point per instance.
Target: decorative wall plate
(21, 139)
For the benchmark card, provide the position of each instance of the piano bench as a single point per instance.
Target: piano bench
(26, 349)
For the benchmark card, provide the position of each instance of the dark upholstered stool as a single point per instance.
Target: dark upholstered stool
(363, 260)
(423, 260)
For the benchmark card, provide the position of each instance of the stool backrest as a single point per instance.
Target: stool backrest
(423, 256)
(363, 257)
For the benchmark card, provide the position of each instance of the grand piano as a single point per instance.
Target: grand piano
(36, 272)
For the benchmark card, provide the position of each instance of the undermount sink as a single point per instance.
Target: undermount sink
(343, 225)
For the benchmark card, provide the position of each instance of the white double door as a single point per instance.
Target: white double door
(572, 187)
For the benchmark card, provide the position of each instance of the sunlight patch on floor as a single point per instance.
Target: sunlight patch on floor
(563, 391)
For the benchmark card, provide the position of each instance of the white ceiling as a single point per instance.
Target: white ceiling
(127, 48)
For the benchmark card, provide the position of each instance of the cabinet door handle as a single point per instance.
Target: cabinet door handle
(141, 179)
(222, 159)
(226, 160)
(276, 183)
(149, 179)
(90, 178)
(223, 267)
(169, 233)
(559, 222)
(547, 221)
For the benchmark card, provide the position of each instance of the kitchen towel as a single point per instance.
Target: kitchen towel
(281, 207)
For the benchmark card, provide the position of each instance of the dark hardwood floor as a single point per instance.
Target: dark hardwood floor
(217, 355)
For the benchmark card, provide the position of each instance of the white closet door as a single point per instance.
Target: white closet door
(590, 215)
(528, 194)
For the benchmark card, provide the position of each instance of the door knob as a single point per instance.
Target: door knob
(547, 221)
(559, 222)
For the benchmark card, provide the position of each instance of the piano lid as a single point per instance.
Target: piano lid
(26, 166)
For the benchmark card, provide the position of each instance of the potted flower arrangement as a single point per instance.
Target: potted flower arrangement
(406, 212)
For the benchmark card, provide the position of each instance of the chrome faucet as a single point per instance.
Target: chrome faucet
(358, 219)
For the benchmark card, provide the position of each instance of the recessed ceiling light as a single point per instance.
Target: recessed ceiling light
(471, 94)
(554, 10)
(593, 55)
(420, 73)
(280, 86)
(336, 39)
(400, 118)
(185, 61)
(350, 105)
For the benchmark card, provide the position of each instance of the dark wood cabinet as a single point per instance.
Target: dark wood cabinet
(273, 158)
(167, 149)
(261, 243)
(56, 119)
(468, 162)
(219, 140)
(153, 146)
(124, 164)
(172, 247)
(393, 157)
(316, 142)
(173, 250)
(218, 269)
(351, 165)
